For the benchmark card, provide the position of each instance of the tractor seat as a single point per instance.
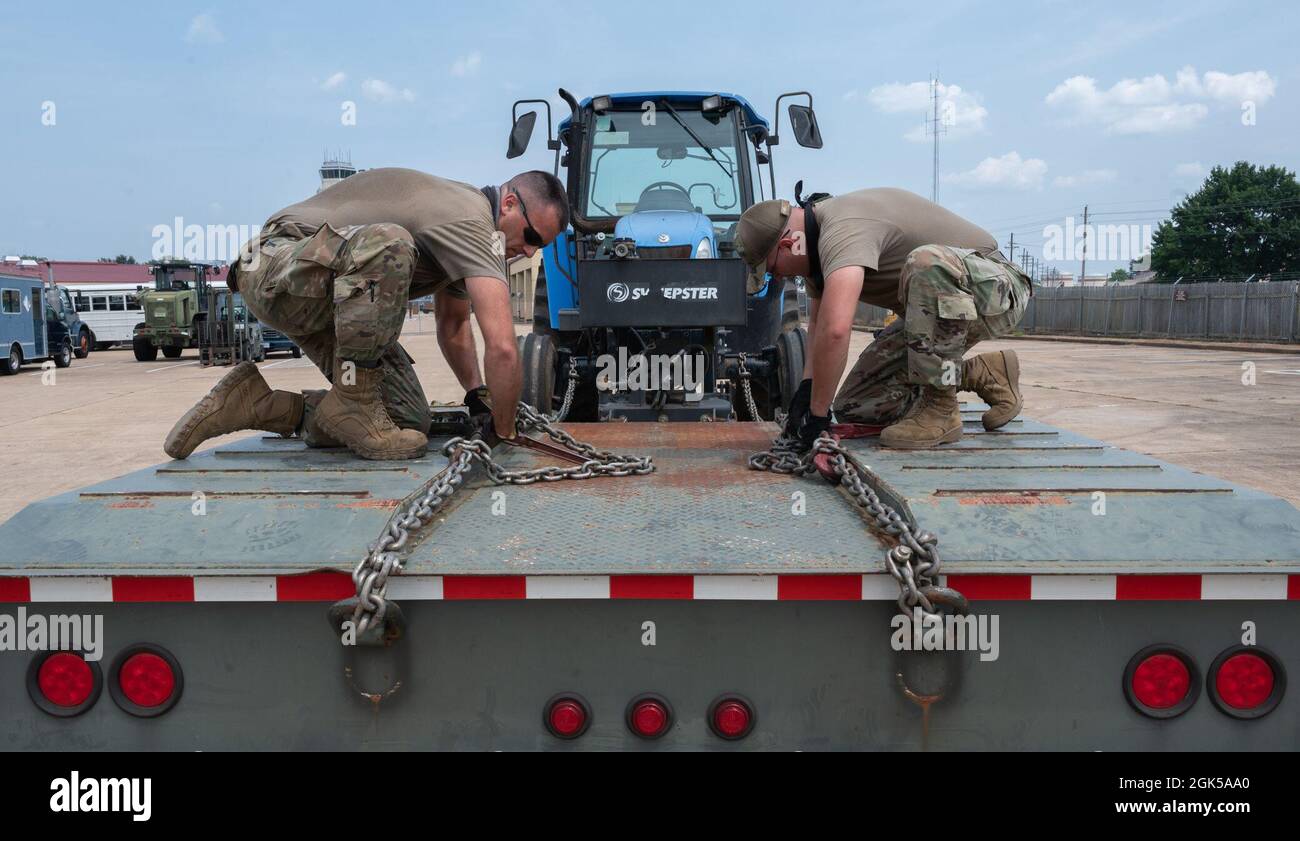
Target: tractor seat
(664, 200)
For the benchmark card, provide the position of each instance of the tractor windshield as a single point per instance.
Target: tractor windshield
(648, 160)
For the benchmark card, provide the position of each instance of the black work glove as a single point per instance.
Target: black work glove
(799, 404)
(478, 401)
(812, 427)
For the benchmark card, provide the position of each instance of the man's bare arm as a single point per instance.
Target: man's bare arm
(491, 300)
(839, 303)
(456, 339)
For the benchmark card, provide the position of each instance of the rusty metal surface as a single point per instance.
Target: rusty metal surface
(1019, 500)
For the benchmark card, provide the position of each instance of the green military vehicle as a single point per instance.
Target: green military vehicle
(173, 309)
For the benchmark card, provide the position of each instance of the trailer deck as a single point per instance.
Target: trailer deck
(1013, 502)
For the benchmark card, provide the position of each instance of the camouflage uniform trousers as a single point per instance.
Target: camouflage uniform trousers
(340, 291)
(953, 298)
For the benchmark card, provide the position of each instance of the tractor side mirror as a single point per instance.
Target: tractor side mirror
(520, 134)
(804, 122)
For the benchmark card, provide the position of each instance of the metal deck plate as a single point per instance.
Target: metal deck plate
(1017, 500)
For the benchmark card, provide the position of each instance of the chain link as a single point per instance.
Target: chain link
(383, 557)
(567, 403)
(912, 560)
(745, 390)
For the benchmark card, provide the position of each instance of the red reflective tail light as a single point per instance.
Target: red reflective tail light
(145, 680)
(1246, 682)
(731, 717)
(1161, 681)
(649, 716)
(567, 716)
(64, 683)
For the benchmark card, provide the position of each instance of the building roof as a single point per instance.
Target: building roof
(89, 271)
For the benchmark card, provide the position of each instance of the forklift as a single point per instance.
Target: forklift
(230, 334)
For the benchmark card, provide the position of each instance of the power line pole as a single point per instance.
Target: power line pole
(934, 126)
(1083, 266)
(1011, 252)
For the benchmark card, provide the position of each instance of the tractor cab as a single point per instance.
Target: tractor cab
(173, 310)
(643, 304)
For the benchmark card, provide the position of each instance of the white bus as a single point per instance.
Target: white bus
(109, 310)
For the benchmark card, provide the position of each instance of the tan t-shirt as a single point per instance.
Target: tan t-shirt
(451, 222)
(877, 229)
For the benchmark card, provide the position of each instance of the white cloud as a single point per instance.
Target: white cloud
(959, 110)
(203, 30)
(381, 91)
(467, 65)
(1090, 176)
(1192, 171)
(1153, 104)
(334, 81)
(1010, 170)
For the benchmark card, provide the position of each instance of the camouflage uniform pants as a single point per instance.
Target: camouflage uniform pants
(340, 292)
(953, 298)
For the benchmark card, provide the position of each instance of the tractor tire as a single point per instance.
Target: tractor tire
(541, 305)
(791, 318)
(172, 352)
(145, 350)
(296, 351)
(63, 358)
(13, 362)
(84, 342)
(791, 346)
(537, 356)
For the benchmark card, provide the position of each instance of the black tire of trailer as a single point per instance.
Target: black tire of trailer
(172, 351)
(12, 363)
(63, 358)
(537, 357)
(145, 350)
(85, 339)
(791, 346)
(296, 351)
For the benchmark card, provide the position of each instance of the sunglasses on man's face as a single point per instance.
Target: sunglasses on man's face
(530, 233)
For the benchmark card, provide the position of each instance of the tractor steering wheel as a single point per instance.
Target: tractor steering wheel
(663, 186)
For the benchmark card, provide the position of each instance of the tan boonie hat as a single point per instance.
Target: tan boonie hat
(757, 233)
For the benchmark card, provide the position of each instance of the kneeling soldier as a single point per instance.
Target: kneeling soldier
(941, 274)
(335, 272)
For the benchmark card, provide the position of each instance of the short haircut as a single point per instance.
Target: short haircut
(537, 185)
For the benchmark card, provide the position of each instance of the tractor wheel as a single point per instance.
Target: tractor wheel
(541, 305)
(63, 358)
(145, 350)
(296, 351)
(83, 344)
(790, 348)
(11, 363)
(537, 355)
(173, 352)
(791, 318)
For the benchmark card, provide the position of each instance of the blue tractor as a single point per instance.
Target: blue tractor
(642, 310)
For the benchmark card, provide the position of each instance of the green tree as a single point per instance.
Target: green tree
(1243, 221)
(121, 258)
(1119, 276)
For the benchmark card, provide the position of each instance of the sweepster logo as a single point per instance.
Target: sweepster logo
(690, 293)
(620, 292)
(95, 794)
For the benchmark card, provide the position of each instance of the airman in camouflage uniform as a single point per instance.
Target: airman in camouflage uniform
(940, 273)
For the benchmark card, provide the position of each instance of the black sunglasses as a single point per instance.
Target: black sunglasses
(530, 233)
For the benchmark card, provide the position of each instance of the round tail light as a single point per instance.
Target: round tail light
(64, 683)
(145, 680)
(1161, 681)
(1246, 682)
(567, 716)
(649, 716)
(731, 717)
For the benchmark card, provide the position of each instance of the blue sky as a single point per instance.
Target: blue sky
(219, 113)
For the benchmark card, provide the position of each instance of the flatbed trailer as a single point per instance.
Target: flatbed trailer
(701, 583)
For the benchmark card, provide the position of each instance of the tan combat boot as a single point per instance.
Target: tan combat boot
(355, 415)
(934, 420)
(995, 377)
(241, 400)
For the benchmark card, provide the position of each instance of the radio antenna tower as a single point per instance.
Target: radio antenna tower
(935, 125)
